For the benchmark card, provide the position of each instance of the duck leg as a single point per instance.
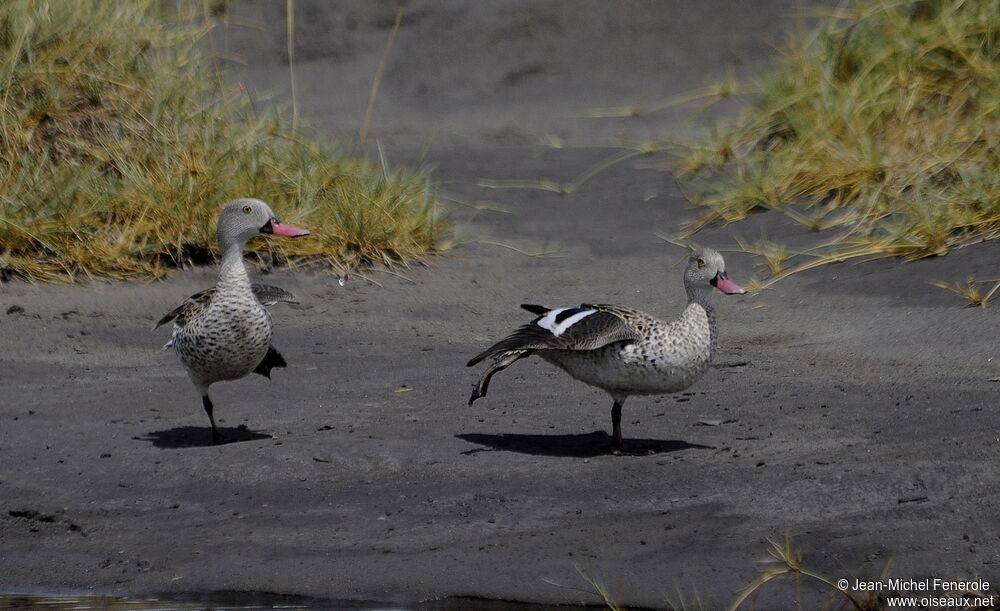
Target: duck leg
(217, 437)
(503, 362)
(616, 425)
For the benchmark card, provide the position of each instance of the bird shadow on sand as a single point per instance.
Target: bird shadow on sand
(199, 436)
(583, 445)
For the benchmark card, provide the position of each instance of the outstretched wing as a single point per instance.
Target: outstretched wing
(194, 305)
(586, 327)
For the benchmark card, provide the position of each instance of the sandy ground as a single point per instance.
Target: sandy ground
(853, 407)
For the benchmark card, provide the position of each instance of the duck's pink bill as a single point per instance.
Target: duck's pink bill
(288, 231)
(728, 287)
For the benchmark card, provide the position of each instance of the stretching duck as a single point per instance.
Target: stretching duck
(623, 351)
(224, 333)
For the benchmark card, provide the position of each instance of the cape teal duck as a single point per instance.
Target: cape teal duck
(224, 333)
(623, 351)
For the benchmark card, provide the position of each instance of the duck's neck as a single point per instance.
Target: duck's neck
(701, 298)
(232, 271)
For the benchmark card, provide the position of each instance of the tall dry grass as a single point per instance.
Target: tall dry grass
(119, 142)
(880, 130)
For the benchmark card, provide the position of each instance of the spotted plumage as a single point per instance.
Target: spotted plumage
(620, 350)
(194, 305)
(224, 333)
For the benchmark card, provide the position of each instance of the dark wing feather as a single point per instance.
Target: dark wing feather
(191, 307)
(535, 309)
(605, 326)
(266, 294)
(269, 295)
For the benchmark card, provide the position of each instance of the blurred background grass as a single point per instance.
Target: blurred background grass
(879, 130)
(119, 141)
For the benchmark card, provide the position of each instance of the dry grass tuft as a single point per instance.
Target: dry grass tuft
(881, 126)
(118, 144)
(785, 560)
(970, 291)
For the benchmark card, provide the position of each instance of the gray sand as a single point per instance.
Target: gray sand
(853, 407)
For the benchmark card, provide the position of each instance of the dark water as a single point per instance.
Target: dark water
(219, 601)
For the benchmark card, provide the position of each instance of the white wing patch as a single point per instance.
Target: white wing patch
(548, 321)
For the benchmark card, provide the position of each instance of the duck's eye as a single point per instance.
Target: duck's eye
(247, 209)
(701, 263)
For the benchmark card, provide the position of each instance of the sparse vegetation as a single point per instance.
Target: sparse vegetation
(971, 292)
(787, 561)
(879, 129)
(119, 142)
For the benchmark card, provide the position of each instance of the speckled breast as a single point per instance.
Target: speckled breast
(226, 343)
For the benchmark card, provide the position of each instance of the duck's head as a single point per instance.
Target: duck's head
(706, 269)
(242, 219)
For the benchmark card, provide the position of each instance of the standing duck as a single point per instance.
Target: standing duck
(623, 351)
(224, 333)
